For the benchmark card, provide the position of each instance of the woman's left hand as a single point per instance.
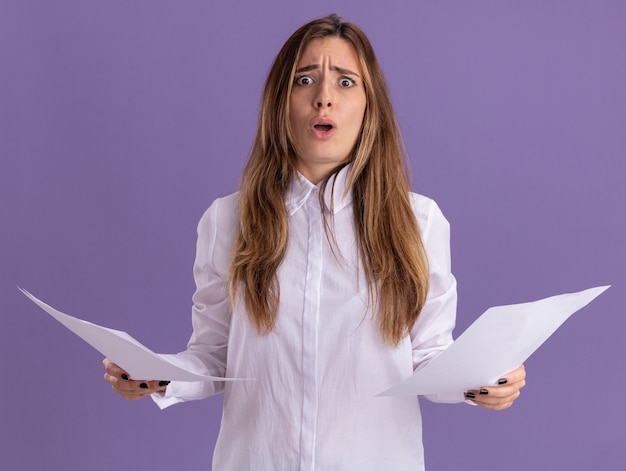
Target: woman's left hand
(502, 396)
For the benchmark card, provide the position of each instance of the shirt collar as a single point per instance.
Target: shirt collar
(301, 189)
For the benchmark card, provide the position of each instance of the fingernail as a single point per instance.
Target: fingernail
(143, 385)
(124, 376)
(502, 381)
(469, 395)
(484, 391)
(163, 383)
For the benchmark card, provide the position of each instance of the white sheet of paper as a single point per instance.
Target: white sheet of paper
(139, 361)
(496, 343)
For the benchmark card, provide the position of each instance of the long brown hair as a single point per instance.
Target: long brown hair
(388, 237)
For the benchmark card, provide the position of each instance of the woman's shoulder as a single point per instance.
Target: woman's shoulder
(427, 213)
(223, 206)
(221, 215)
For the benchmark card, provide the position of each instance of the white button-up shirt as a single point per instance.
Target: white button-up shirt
(313, 404)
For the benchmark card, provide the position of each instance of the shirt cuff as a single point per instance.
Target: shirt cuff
(448, 398)
(183, 391)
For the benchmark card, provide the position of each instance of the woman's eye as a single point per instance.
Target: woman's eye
(304, 80)
(347, 82)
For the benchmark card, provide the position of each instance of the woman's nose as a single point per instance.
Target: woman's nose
(323, 97)
(323, 103)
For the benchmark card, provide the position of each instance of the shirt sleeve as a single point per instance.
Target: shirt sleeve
(207, 347)
(432, 332)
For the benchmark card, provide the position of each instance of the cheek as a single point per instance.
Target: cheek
(296, 122)
(358, 115)
(358, 112)
(297, 104)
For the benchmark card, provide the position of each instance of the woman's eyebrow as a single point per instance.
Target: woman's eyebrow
(334, 68)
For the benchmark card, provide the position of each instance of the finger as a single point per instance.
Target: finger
(496, 403)
(496, 393)
(500, 397)
(497, 397)
(505, 390)
(118, 384)
(114, 370)
(149, 387)
(130, 389)
(135, 388)
(508, 385)
(514, 376)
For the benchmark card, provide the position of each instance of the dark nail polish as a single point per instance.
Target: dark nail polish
(502, 381)
(143, 385)
(469, 395)
(124, 376)
(484, 391)
(163, 383)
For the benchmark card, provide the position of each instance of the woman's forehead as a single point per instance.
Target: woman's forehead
(339, 52)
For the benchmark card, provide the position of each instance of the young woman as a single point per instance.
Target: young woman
(324, 277)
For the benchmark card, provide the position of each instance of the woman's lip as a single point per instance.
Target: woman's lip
(320, 133)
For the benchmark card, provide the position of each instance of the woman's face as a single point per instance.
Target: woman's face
(326, 106)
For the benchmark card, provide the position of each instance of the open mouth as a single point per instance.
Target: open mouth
(323, 127)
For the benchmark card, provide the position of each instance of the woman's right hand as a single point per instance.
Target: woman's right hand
(128, 388)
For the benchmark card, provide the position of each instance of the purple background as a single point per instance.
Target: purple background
(120, 121)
